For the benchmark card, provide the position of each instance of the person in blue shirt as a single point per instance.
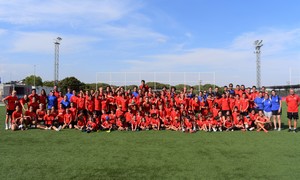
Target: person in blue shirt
(267, 106)
(135, 92)
(276, 109)
(258, 102)
(52, 100)
(69, 94)
(65, 102)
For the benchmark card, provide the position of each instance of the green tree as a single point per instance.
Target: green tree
(48, 83)
(71, 82)
(33, 80)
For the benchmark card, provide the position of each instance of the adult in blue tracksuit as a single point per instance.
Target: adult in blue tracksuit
(267, 106)
(276, 109)
(258, 102)
(52, 100)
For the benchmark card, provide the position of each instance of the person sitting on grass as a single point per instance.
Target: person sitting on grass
(188, 125)
(200, 123)
(121, 125)
(30, 118)
(228, 124)
(155, 122)
(81, 121)
(176, 124)
(106, 126)
(262, 121)
(49, 121)
(144, 124)
(68, 119)
(91, 125)
(17, 119)
(134, 124)
(239, 123)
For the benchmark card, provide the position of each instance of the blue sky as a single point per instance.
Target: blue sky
(151, 36)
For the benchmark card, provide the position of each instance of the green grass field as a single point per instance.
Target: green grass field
(70, 154)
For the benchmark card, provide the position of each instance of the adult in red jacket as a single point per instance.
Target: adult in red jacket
(292, 102)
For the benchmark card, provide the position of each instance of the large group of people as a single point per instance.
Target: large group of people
(138, 109)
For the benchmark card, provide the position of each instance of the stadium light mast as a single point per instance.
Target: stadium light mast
(56, 59)
(258, 44)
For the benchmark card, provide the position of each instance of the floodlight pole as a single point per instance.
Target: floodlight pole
(258, 44)
(56, 59)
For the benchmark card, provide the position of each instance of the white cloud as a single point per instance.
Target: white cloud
(58, 12)
(43, 42)
(235, 63)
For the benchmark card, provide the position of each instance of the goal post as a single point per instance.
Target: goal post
(195, 79)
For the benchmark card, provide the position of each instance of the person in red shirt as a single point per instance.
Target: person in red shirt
(60, 116)
(176, 124)
(90, 105)
(144, 125)
(261, 121)
(155, 122)
(24, 102)
(81, 102)
(144, 87)
(42, 97)
(49, 118)
(10, 102)
(239, 123)
(106, 125)
(30, 117)
(292, 102)
(91, 125)
(81, 121)
(120, 123)
(33, 95)
(244, 105)
(33, 102)
(225, 105)
(68, 119)
(17, 119)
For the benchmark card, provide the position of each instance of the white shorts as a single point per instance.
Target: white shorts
(268, 114)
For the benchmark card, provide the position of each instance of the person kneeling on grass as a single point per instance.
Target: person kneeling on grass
(17, 120)
(262, 122)
(68, 119)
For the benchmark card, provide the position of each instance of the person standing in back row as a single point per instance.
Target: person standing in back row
(292, 102)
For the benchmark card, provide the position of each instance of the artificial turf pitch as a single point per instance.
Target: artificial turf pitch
(71, 154)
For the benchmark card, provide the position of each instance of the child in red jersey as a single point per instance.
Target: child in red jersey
(17, 119)
(144, 125)
(239, 123)
(81, 121)
(176, 124)
(200, 122)
(228, 123)
(134, 124)
(261, 121)
(91, 125)
(30, 118)
(121, 124)
(49, 118)
(252, 118)
(106, 125)
(68, 119)
(155, 122)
